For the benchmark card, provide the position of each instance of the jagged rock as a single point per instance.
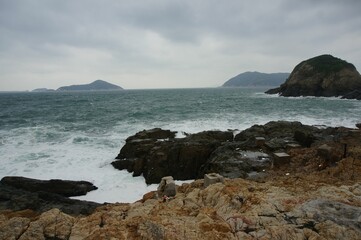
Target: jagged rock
(274, 130)
(180, 158)
(323, 75)
(215, 151)
(65, 188)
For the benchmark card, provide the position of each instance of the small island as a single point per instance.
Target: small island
(322, 76)
(97, 85)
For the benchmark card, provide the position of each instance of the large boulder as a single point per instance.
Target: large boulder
(323, 75)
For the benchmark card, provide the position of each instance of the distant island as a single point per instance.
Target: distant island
(43, 90)
(98, 85)
(322, 76)
(256, 79)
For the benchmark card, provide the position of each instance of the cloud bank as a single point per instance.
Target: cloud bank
(167, 44)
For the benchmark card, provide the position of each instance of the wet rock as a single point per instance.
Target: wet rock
(65, 188)
(155, 133)
(17, 199)
(180, 158)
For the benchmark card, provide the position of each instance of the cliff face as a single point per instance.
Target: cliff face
(324, 75)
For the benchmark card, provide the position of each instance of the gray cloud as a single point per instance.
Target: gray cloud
(140, 44)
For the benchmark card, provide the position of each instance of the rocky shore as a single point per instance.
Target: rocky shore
(282, 180)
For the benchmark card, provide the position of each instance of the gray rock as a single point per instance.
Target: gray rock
(212, 178)
(342, 214)
(167, 187)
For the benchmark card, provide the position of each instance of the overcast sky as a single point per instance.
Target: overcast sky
(165, 43)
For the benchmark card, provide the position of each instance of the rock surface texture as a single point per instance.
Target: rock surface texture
(325, 76)
(285, 207)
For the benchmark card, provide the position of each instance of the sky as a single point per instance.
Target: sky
(144, 44)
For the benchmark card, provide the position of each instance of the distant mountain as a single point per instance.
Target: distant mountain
(97, 85)
(256, 79)
(43, 90)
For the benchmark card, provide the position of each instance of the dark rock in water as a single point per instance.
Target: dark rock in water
(356, 94)
(157, 153)
(155, 133)
(212, 136)
(323, 75)
(65, 188)
(358, 125)
(154, 157)
(16, 199)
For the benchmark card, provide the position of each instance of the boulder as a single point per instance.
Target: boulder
(167, 187)
(323, 75)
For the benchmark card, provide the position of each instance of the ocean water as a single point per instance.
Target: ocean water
(76, 135)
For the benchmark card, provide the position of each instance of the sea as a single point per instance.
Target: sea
(76, 135)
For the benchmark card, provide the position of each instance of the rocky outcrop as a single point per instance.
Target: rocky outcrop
(65, 188)
(157, 153)
(285, 207)
(18, 194)
(325, 76)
